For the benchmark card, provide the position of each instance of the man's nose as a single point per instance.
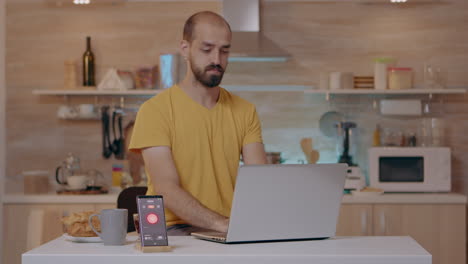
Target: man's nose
(215, 57)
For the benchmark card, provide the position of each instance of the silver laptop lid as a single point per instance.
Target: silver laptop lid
(275, 202)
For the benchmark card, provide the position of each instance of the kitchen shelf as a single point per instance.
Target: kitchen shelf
(388, 92)
(232, 88)
(96, 92)
(267, 88)
(258, 88)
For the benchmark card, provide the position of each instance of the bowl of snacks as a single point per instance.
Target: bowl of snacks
(77, 228)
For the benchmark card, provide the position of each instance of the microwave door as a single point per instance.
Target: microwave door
(401, 169)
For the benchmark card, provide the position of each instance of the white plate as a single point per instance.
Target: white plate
(82, 239)
(359, 193)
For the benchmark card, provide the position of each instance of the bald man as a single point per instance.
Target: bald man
(192, 134)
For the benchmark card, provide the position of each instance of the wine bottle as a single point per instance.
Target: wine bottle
(88, 65)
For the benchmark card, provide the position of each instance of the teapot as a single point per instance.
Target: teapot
(70, 167)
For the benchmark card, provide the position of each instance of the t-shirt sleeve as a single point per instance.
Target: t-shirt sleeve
(152, 128)
(254, 129)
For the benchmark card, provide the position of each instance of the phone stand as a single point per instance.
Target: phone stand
(152, 249)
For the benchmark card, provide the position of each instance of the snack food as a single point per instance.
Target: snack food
(77, 225)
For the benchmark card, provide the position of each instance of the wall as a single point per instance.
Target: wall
(41, 36)
(346, 37)
(320, 37)
(2, 112)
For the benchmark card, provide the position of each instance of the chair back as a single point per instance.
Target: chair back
(127, 200)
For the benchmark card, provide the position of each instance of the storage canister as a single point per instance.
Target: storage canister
(400, 78)
(380, 72)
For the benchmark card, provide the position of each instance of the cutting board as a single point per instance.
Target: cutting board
(312, 156)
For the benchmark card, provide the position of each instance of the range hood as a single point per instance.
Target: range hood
(248, 42)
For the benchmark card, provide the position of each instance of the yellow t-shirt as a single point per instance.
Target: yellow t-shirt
(206, 143)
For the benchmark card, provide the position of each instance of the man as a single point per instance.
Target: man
(191, 135)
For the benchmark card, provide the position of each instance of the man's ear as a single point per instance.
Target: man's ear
(184, 48)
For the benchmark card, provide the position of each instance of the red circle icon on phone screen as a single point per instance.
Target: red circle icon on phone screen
(152, 218)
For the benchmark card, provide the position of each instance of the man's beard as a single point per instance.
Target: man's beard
(208, 80)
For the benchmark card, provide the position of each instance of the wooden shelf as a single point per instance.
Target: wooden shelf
(97, 92)
(389, 92)
(258, 88)
(267, 88)
(232, 88)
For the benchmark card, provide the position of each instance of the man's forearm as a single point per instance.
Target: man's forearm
(162, 171)
(185, 206)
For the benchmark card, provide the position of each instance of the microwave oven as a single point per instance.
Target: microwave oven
(410, 169)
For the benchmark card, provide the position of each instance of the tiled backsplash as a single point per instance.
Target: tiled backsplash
(320, 37)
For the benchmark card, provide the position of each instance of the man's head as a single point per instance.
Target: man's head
(205, 45)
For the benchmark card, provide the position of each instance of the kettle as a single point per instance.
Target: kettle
(70, 166)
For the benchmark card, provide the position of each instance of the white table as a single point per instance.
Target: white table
(343, 250)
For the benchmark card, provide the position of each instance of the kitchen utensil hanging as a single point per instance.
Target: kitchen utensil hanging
(115, 146)
(120, 154)
(106, 142)
(118, 144)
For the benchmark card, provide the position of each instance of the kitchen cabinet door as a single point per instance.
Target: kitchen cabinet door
(26, 226)
(355, 220)
(15, 220)
(440, 229)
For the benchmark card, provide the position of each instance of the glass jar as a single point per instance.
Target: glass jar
(400, 78)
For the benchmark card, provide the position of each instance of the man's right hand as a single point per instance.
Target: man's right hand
(221, 225)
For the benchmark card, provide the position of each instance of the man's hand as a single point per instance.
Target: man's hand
(165, 180)
(222, 225)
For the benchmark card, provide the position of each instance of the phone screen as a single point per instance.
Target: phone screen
(152, 220)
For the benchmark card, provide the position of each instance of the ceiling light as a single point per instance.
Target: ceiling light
(81, 2)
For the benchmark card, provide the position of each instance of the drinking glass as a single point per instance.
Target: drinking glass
(429, 76)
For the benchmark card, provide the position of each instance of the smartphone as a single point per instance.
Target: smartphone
(152, 222)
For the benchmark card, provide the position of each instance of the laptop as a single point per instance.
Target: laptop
(282, 202)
